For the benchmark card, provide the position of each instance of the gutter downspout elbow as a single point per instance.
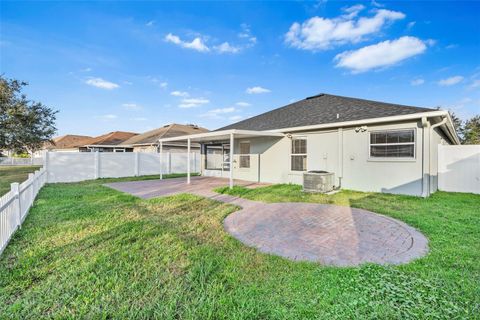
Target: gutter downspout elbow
(425, 125)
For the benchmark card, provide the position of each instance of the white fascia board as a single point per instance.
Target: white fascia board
(364, 121)
(224, 134)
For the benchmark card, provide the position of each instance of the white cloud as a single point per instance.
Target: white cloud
(243, 104)
(216, 113)
(131, 106)
(256, 90)
(417, 82)
(377, 4)
(411, 24)
(150, 23)
(179, 93)
(235, 118)
(320, 33)
(193, 102)
(163, 85)
(450, 81)
(247, 34)
(227, 48)
(107, 117)
(380, 55)
(86, 69)
(196, 44)
(101, 83)
(475, 84)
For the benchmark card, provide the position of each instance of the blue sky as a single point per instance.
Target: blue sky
(135, 66)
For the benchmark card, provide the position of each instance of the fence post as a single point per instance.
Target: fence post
(96, 159)
(31, 178)
(15, 188)
(46, 163)
(169, 163)
(195, 162)
(136, 164)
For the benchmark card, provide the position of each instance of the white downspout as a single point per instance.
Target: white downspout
(444, 120)
(425, 158)
(231, 160)
(188, 161)
(160, 160)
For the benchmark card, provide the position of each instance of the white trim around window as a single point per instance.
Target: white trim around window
(384, 142)
(302, 154)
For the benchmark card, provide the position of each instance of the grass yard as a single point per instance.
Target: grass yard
(86, 251)
(10, 174)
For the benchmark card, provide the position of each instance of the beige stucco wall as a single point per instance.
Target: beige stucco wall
(344, 152)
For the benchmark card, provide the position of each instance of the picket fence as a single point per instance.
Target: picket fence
(80, 166)
(14, 205)
(12, 161)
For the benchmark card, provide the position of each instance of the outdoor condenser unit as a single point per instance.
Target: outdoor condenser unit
(318, 181)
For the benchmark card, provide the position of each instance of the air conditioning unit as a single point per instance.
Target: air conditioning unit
(318, 181)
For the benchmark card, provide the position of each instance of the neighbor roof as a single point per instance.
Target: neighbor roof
(323, 109)
(67, 142)
(170, 130)
(111, 138)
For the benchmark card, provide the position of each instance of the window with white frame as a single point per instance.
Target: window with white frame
(299, 154)
(244, 154)
(392, 144)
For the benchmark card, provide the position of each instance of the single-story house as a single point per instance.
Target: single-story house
(109, 142)
(148, 141)
(65, 143)
(368, 145)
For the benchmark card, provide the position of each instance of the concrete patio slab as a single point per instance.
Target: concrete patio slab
(328, 234)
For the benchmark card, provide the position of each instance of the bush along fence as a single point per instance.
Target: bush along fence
(14, 205)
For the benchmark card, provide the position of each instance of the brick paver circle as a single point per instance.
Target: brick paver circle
(331, 235)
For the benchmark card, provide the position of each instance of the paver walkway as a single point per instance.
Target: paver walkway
(329, 234)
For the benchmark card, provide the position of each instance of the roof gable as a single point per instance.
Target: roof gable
(171, 130)
(323, 109)
(111, 138)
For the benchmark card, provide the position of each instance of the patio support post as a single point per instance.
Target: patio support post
(161, 162)
(188, 160)
(231, 161)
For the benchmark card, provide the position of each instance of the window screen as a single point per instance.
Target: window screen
(244, 154)
(299, 154)
(392, 144)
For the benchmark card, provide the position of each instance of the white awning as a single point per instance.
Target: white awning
(223, 135)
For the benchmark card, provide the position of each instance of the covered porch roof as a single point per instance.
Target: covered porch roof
(222, 135)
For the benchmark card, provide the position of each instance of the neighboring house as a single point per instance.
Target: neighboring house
(148, 141)
(67, 143)
(368, 145)
(110, 142)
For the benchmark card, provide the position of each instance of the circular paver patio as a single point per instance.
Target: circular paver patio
(331, 235)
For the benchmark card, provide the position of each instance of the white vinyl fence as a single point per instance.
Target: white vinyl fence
(80, 166)
(459, 168)
(15, 204)
(12, 161)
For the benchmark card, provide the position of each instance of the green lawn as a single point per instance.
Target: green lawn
(10, 174)
(86, 251)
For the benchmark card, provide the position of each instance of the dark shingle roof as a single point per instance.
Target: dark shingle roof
(322, 109)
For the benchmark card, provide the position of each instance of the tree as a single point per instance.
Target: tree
(24, 125)
(471, 131)
(458, 124)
